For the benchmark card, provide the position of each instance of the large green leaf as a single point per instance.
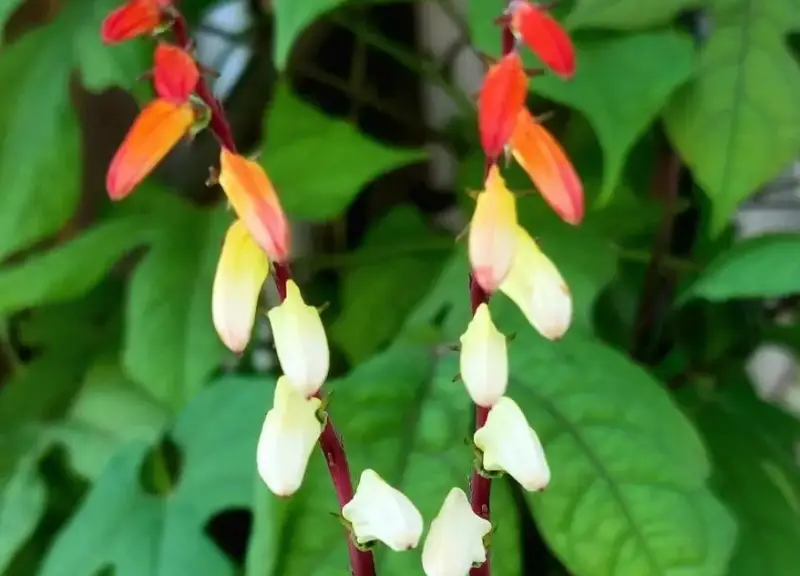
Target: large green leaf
(171, 347)
(737, 124)
(625, 14)
(628, 494)
(320, 164)
(69, 270)
(394, 268)
(755, 471)
(121, 526)
(401, 415)
(291, 18)
(39, 147)
(766, 266)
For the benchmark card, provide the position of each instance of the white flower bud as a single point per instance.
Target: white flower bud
(510, 445)
(379, 512)
(300, 341)
(290, 432)
(484, 359)
(455, 539)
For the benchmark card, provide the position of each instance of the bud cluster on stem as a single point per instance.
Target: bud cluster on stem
(502, 254)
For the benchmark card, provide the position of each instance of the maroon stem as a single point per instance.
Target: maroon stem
(480, 486)
(361, 562)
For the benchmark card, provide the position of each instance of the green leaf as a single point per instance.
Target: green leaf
(401, 415)
(319, 164)
(621, 86)
(40, 148)
(755, 472)
(7, 9)
(171, 347)
(121, 526)
(69, 270)
(763, 267)
(292, 18)
(626, 14)
(736, 124)
(401, 258)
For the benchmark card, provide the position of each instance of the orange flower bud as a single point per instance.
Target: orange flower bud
(492, 232)
(501, 98)
(547, 165)
(158, 128)
(253, 198)
(136, 18)
(241, 272)
(175, 74)
(543, 36)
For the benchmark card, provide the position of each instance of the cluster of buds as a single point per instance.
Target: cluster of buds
(502, 254)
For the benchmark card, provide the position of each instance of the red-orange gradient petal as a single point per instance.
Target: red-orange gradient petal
(501, 98)
(157, 129)
(545, 37)
(175, 74)
(253, 197)
(547, 165)
(136, 18)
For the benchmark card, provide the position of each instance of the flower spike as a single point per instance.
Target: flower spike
(501, 98)
(175, 74)
(548, 166)
(242, 269)
(492, 232)
(136, 18)
(544, 36)
(253, 197)
(158, 128)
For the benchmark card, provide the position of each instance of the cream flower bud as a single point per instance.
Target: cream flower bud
(300, 341)
(484, 359)
(537, 288)
(509, 444)
(379, 512)
(290, 432)
(491, 232)
(455, 539)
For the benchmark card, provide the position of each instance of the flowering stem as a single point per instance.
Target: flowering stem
(361, 562)
(480, 486)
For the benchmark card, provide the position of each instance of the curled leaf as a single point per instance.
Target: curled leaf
(547, 165)
(501, 98)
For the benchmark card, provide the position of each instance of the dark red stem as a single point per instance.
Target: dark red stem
(361, 562)
(480, 486)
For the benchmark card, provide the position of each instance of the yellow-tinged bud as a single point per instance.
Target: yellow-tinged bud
(484, 359)
(510, 445)
(290, 432)
(300, 341)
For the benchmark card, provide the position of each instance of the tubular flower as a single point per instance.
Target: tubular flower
(510, 445)
(547, 165)
(291, 429)
(253, 198)
(484, 359)
(242, 269)
(158, 128)
(537, 288)
(175, 73)
(455, 538)
(501, 98)
(543, 36)
(135, 18)
(492, 232)
(300, 341)
(378, 511)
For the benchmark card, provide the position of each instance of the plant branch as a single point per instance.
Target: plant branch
(361, 562)
(480, 486)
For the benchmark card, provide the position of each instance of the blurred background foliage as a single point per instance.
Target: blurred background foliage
(127, 432)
